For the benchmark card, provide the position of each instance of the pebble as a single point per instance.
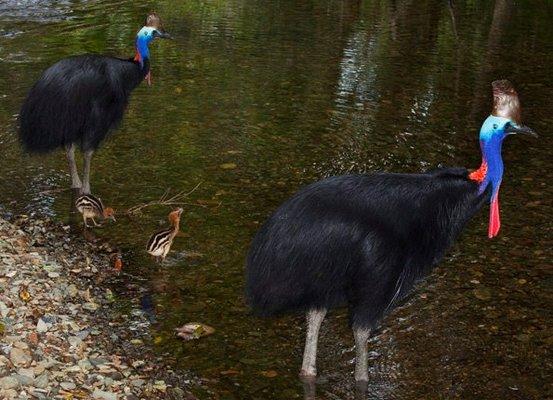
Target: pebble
(27, 372)
(41, 382)
(138, 382)
(24, 379)
(100, 394)
(9, 382)
(74, 341)
(42, 326)
(68, 385)
(19, 356)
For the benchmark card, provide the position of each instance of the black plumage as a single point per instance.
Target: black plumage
(361, 240)
(78, 101)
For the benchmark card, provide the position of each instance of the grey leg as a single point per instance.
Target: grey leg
(75, 180)
(86, 172)
(314, 321)
(361, 370)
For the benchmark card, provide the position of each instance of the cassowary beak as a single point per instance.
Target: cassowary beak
(163, 35)
(515, 129)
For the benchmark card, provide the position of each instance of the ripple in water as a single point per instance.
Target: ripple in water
(35, 10)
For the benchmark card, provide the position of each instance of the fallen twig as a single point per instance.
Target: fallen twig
(165, 200)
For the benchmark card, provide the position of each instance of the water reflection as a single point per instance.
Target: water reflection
(255, 99)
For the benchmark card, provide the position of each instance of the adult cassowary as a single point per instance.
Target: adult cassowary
(364, 240)
(78, 100)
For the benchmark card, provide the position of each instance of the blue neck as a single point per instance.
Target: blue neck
(143, 50)
(490, 143)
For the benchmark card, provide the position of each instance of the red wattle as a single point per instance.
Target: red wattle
(137, 57)
(480, 173)
(493, 228)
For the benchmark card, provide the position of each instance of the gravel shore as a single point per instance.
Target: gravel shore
(60, 335)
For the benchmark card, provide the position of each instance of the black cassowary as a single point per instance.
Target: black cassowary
(78, 100)
(364, 240)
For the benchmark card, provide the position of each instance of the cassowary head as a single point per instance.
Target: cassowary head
(504, 121)
(152, 29)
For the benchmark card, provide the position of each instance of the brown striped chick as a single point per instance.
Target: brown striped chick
(92, 207)
(160, 242)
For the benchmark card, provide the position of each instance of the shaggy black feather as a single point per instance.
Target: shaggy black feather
(357, 240)
(78, 100)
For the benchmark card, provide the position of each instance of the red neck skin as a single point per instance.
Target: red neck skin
(494, 224)
(480, 173)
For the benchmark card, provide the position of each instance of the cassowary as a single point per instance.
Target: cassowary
(78, 100)
(364, 240)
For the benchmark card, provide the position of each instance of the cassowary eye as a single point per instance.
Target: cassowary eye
(494, 126)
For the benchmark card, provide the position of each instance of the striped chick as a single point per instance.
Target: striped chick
(160, 242)
(92, 207)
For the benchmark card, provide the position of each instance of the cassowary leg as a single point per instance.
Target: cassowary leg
(75, 180)
(86, 172)
(361, 369)
(314, 321)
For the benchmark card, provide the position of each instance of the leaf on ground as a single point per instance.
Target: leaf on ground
(269, 374)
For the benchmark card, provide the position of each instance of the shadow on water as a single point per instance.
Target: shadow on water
(254, 99)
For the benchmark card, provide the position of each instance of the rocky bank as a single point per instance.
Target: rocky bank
(61, 336)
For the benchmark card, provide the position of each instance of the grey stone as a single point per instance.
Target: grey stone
(100, 394)
(138, 382)
(85, 364)
(68, 385)
(27, 372)
(42, 326)
(24, 379)
(74, 341)
(41, 381)
(96, 361)
(19, 357)
(9, 382)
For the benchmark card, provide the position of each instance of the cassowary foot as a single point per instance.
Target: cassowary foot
(361, 388)
(309, 375)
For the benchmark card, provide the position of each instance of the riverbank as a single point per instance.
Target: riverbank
(63, 334)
